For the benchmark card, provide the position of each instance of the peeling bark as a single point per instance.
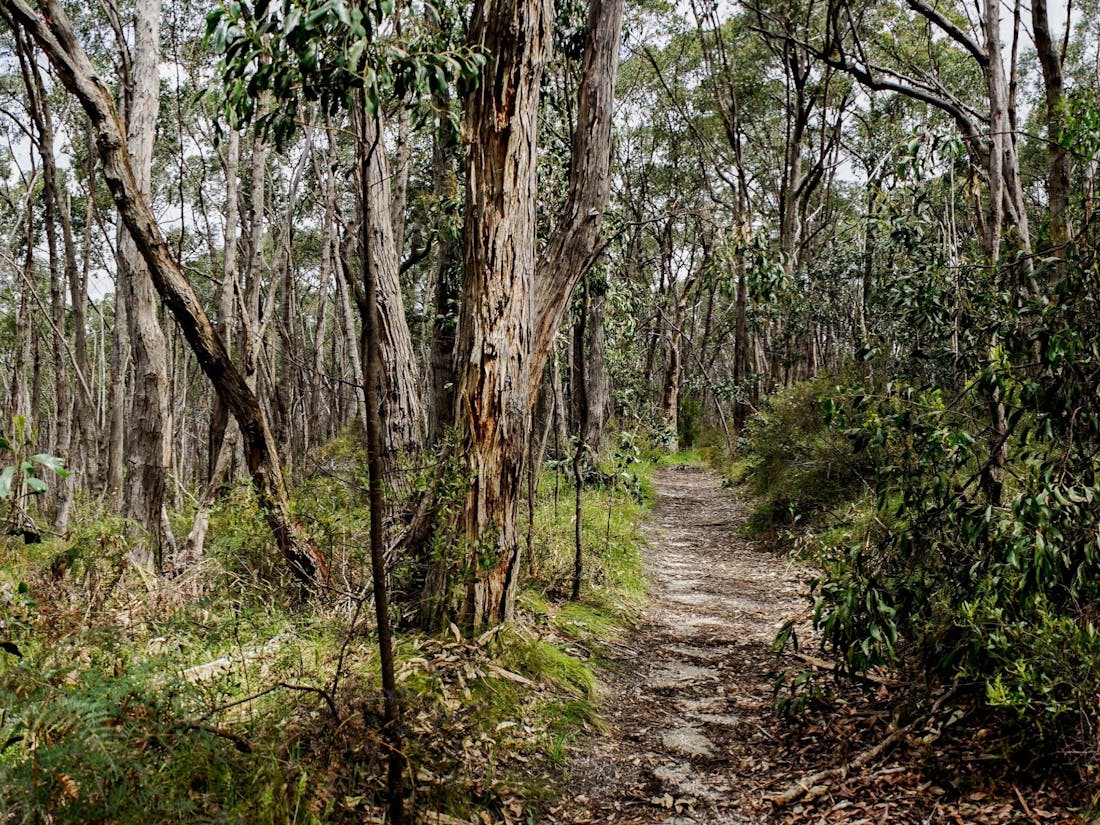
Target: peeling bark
(512, 305)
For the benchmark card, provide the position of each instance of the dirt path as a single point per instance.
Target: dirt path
(690, 704)
(692, 735)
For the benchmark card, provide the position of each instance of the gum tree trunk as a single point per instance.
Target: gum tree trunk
(398, 389)
(512, 303)
(1058, 180)
(149, 433)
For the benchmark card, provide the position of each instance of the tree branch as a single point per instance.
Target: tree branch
(569, 252)
(951, 30)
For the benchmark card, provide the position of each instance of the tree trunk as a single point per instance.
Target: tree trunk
(1058, 180)
(580, 398)
(401, 161)
(19, 397)
(149, 433)
(219, 416)
(670, 390)
(118, 394)
(71, 409)
(283, 348)
(741, 365)
(1005, 207)
(249, 288)
(495, 320)
(54, 34)
(399, 392)
(349, 334)
(391, 729)
(510, 311)
(318, 400)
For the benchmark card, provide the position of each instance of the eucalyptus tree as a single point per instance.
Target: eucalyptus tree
(315, 53)
(732, 101)
(1052, 57)
(514, 296)
(671, 198)
(148, 437)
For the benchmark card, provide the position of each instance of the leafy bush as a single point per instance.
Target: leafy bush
(797, 466)
(943, 573)
(995, 588)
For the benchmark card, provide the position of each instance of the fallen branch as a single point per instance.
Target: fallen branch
(239, 742)
(1023, 804)
(832, 667)
(803, 786)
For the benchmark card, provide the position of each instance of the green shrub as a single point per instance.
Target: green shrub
(1002, 596)
(797, 465)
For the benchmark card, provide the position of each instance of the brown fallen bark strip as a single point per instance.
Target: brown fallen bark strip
(803, 786)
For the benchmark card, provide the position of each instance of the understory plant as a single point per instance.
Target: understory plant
(982, 563)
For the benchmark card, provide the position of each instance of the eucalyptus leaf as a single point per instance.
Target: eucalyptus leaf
(50, 462)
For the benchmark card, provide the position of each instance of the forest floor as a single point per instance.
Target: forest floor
(692, 733)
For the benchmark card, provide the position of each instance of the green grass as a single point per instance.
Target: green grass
(106, 718)
(693, 456)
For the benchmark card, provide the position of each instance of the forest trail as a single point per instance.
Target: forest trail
(689, 700)
(692, 736)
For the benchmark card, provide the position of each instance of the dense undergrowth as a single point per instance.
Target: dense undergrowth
(218, 697)
(877, 485)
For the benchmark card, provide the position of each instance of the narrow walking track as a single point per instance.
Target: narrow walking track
(689, 707)
(692, 736)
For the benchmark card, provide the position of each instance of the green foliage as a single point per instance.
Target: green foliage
(131, 707)
(951, 577)
(17, 612)
(796, 465)
(1045, 690)
(688, 420)
(24, 473)
(240, 540)
(297, 52)
(538, 659)
(91, 563)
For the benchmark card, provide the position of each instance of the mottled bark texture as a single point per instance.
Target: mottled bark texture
(512, 304)
(148, 437)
